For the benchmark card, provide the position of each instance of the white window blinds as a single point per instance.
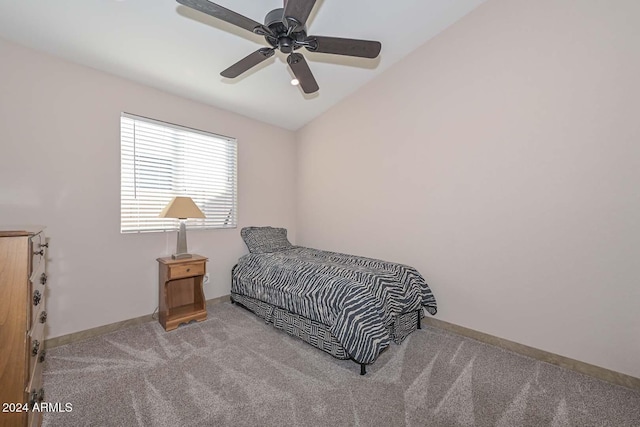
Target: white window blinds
(160, 161)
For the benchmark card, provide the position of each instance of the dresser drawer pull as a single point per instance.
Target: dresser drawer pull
(36, 396)
(188, 270)
(44, 245)
(43, 278)
(37, 296)
(42, 356)
(40, 252)
(43, 317)
(35, 348)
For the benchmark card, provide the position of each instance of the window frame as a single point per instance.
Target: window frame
(142, 155)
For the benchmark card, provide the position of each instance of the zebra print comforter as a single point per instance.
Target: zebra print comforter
(355, 296)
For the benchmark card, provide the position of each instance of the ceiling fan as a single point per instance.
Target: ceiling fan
(285, 29)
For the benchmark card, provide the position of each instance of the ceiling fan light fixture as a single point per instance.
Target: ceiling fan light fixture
(295, 82)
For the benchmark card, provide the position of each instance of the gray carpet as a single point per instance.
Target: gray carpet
(235, 370)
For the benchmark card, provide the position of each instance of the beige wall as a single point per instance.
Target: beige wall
(502, 159)
(60, 156)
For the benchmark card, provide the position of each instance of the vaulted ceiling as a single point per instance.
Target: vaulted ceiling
(168, 46)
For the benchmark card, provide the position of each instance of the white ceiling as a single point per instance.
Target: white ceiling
(176, 49)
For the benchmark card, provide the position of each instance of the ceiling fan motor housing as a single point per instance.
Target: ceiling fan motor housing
(283, 39)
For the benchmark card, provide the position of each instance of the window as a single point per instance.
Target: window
(160, 161)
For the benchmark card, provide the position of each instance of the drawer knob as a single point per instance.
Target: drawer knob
(37, 296)
(43, 317)
(43, 278)
(42, 356)
(35, 348)
(40, 252)
(188, 270)
(33, 398)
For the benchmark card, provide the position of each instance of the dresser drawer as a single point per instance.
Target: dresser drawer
(35, 394)
(186, 270)
(37, 285)
(37, 247)
(35, 419)
(35, 349)
(36, 307)
(35, 371)
(38, 312)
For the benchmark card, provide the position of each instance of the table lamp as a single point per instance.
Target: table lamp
(181, 208)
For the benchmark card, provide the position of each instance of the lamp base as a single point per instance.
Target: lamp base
(181, 247)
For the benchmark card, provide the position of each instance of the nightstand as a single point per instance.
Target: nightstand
(181, 297)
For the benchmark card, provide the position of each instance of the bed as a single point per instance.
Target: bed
(352, 307)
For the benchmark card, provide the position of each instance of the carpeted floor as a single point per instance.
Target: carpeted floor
(234, 370)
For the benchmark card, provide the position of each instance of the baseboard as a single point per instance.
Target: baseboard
(112, 327)
(544, 356)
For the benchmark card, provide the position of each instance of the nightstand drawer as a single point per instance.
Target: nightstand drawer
(186, 270)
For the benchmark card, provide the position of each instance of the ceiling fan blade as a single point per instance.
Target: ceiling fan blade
(302, 72)
(248, 62)
(298, 10)
(220, 12)
(348, 47)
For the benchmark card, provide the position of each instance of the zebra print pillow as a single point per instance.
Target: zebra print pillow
(262, 240)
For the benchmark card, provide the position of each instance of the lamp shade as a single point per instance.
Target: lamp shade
(181, 207)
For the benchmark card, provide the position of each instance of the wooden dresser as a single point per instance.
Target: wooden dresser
(23, 281)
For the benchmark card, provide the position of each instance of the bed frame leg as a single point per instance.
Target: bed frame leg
(419, 322)
(363, 369)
